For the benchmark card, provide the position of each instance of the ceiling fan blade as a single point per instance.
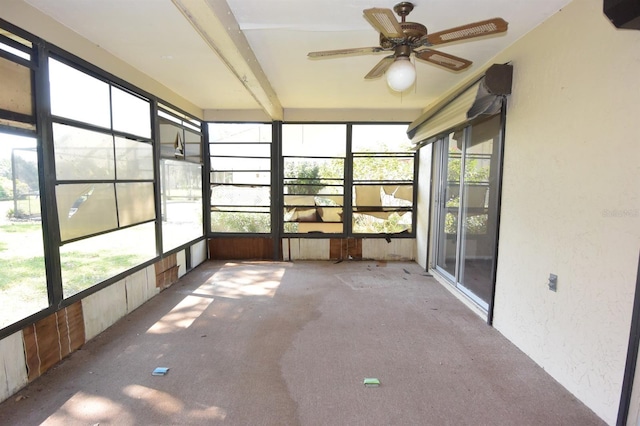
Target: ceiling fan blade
(476, 29)
(384, 21)
(354, 51)
(451, 62)
(381, 67)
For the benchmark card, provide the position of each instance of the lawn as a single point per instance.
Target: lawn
(23, 289)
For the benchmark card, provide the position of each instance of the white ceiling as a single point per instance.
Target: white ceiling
(155, 37)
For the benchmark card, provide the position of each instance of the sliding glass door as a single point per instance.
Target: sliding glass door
(448, 200)
(467, 202)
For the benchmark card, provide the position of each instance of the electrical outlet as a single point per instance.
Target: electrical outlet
(553, 282)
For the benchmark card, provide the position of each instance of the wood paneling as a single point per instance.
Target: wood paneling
(166, 278)
(342, 248)
(166, 263)
(71, 321)
(52, 338)
(166, 271)
(241, 249)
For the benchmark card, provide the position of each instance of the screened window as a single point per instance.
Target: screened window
(240, 177)
(98, 143)
(23, 284)
(91, 196)
(90, 261)
(314, 158)
(78, 96)
(104, 176)
(181, 142)
(383, 173)
(180, 137)
(130, 113)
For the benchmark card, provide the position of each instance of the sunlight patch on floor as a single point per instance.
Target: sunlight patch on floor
(182, 315)
(231, 282)
(159, 401)
(249, 280)
(87, 408)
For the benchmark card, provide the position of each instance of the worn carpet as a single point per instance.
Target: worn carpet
(279, 343)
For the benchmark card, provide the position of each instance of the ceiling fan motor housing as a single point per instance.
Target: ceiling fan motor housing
(414, 36)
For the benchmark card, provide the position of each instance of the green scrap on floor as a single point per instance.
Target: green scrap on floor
(371, 382)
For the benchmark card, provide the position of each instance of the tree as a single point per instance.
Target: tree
(307, 178)
(6, 188)
(474, 172)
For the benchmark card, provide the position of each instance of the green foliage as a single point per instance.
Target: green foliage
(240, 222)
(26, 178)
(26, 175)
(5, 168)
(475, 172)
(451, 223)
(6, 188)
(16, 214)
(386, 168)
(291, 227)
(307, 178)
(367, 224)
(474, 225)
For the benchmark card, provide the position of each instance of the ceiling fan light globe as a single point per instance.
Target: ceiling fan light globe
(401, 74)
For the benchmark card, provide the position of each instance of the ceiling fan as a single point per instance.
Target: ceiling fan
(404, 38)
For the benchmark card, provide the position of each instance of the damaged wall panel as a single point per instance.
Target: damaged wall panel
(48, 341)
(166, 271)
(395, 249)
(346, 248)
(12, 364)
(305, 248)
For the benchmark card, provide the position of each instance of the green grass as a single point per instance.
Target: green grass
(21, 267)
(23, 272)
(81, 271)
(21, 227)
(23, 284)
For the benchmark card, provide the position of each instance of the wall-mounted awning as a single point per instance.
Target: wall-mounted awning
(484, 97)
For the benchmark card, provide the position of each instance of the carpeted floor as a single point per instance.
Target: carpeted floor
(263, 343)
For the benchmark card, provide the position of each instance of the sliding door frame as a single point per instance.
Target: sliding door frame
(440, 178)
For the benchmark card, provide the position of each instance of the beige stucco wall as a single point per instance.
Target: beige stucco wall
(571, 201)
